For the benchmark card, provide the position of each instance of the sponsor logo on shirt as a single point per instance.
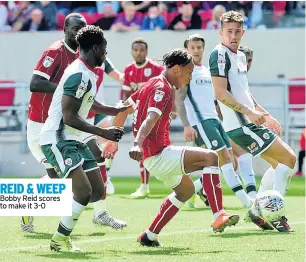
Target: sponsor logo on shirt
(147, 72)
(159, 95)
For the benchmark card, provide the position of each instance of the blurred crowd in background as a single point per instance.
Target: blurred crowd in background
(124, 16)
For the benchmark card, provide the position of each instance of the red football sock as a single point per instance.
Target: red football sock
(104, 178)
(213, 190)
(168, 210)
(145, 175)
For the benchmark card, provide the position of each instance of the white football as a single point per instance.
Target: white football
(270, 205)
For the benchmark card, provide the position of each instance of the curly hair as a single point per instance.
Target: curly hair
(89, 36)
(177, 57)
(231, 16)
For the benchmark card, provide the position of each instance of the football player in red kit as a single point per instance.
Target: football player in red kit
(135, 75)
(170, 164)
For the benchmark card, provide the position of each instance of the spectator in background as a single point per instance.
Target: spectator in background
(19, 14)
(64, 7)
(140, 6)
(3, 17)
(256, 14)
(154, 21)
(188, 19)
(301, 153)
(129, 21)
(101, 6)
(246, 22)
(215, 23)
(84, 6)
(36, 22)
(105, 22)
(49, 10)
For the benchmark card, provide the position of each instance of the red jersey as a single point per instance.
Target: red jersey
(156, 95)
(52, 64)
(135, 76)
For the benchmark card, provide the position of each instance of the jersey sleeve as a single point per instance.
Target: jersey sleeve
(77, 85)
(127, 82)
(159, 98)
(219, 63)
(109, 67)
(47, 64)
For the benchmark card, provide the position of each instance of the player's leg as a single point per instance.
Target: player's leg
(101, 216)
(171, 167)
(33, 131)
(259, 140)
(286, 158)
(67, 158)
(300, 163)
(211, 133)
(144, 190)
(245, 163)
(104, 121)
(267, 179)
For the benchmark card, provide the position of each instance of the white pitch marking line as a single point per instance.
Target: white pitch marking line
(135, 237)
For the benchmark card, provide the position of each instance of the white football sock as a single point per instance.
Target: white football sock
(282, 172)
(197, 185)
(99, 207)
(233, 180)
(68, 222)
(247, 173)
(267, 180)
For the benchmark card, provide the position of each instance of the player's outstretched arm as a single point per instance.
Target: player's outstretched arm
(225, 97)
(190, 133)
(71, 106)
(41, 84)
(108, 110)
(110, 147)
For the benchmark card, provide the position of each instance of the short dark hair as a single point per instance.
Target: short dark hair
(194, 37)
(67, 18)
(140, 41)
(246, 50)
(231, 16)
(177, 57)
(89, 36)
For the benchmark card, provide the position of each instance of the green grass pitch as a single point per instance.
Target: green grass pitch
(187, 238)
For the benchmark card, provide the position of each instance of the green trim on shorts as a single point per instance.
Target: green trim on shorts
(211, 135)
(67, 155)
(253, 139)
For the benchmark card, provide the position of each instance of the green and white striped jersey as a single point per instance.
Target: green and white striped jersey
(78, 81)
(233, 66)
(200, 97)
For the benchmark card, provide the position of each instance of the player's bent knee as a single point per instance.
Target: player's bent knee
(83, 195)
(211, 158)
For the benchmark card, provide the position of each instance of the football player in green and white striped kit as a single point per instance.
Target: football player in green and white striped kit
(242, 118)
(196, 107)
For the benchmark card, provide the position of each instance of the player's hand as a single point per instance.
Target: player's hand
(273, 124)
(110, 149)
(112, 133)
(257, 118)
(136, 152)
(190, 133)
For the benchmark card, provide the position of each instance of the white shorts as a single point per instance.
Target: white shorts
(168, 165)
(33, 136)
